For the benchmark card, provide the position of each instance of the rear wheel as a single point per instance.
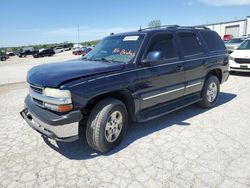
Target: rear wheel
(3, 58)
(106, 125)
(210, 92)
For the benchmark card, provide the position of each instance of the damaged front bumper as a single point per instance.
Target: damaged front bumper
(64, 128)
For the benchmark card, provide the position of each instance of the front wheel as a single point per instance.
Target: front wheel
(107, 125)
(210, 92)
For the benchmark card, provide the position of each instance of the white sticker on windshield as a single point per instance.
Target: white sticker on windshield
(131, 38)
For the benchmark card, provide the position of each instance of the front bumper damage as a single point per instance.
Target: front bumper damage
(62, 128)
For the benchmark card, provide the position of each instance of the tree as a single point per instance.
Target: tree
(154, 23)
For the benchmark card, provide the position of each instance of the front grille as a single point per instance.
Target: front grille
(36, 89)
(38, 102)
(240, 68)
(242, 61)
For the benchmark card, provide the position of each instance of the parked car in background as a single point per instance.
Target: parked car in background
(227, 37)
(82, 51)
(10, 54)
(67, 47)
(41, 49)
(234, 44)
(77, 50)
(44, 53)
(86, 50)
(239, 60)
(138, 75)
(58, 50)
(3, 56)
(27, 52)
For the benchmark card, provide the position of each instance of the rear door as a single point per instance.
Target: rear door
(164, 80)
(194, 56)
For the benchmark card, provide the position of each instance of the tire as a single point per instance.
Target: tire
(3, 58)
(103, 123)
(210, 92)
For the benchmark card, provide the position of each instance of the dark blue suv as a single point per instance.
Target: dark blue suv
(137, 75)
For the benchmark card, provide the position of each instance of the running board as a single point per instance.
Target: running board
(166, 108)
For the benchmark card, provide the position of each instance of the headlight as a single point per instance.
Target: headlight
(57, 93)
(62, 95)
(231, 58)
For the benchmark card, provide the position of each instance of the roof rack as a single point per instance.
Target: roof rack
(175, 26)
(196, 27)
(159, 27)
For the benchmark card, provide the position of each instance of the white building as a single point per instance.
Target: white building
(237, 28)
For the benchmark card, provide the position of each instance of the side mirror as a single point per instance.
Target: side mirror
(153, 57)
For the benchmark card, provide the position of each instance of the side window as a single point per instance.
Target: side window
(165, 44)
(213, 41)
(190, 44)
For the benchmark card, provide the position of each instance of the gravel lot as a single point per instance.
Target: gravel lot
(192, 147)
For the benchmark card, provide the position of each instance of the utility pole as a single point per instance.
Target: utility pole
(78, 37)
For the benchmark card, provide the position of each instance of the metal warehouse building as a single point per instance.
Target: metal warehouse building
(237, 28)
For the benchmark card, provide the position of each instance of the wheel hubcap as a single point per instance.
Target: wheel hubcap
(212, 92)
(113, 126)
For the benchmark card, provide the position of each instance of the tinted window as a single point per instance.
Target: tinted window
(190, 44)
(213, 41)
(235, 41)
(165, 44)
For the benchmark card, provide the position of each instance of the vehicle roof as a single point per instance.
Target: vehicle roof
(163, 28)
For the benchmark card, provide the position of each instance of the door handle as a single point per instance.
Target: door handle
(180, 68)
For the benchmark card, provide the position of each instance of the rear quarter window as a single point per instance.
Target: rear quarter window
(213, 41)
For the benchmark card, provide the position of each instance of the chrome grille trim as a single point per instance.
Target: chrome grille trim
(37, 89)
(38, 102)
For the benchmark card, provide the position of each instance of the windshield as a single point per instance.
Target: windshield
(121, 49)
(245, 45)
(235, 41)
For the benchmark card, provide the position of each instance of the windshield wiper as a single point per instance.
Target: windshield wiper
(102, 59)
(107, 60)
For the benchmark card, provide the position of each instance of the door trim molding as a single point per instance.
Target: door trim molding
(164, 93)
(171, 91)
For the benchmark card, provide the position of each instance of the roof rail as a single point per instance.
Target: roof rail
(175, 26)
(159, 27)
(195, 27)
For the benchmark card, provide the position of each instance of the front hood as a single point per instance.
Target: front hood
(244, 54)
(51, 75)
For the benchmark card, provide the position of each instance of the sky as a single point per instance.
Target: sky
(30, 22)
